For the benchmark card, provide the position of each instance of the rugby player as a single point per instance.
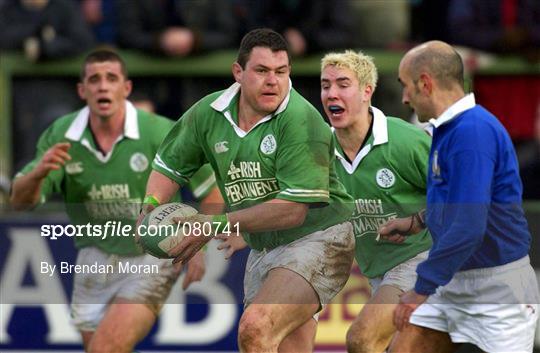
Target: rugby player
(273, 157)
(477, 284)
(99, 159)
(382, 161)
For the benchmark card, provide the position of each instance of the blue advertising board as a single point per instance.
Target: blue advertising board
(35, 312)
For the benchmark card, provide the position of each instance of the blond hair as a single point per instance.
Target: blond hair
(359, 63)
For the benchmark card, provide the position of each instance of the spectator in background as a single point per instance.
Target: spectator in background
(142, 101)
(368, 33)
(501, 26)
(307, 25)
(175, 27)
(529, 162)
(100, 15)
(428, 20)
(241, 13)
(44, 29)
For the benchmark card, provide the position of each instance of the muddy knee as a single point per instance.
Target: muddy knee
(255, 330)
(360, 339)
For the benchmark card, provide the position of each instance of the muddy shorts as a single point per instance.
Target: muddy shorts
(403, 276)
(140, 279)
(322, 258)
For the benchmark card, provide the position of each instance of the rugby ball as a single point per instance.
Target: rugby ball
(158, 232)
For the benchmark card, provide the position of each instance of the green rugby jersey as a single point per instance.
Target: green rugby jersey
(287, 155)
(387, 179)
(98, 188)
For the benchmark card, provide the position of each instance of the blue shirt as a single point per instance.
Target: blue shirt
(474, 192)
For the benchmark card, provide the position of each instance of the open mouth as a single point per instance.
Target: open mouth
(335, 110)
(104, 102)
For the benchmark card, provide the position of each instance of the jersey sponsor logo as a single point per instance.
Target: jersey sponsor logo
(246, 170)
(74, 168)
(109, 192)
(268, 144)
(111, 201)
(113, 209)
(369, 215)
(247, 183)
(138, 162)
(221, 147)
(385, 178)
(368, 206)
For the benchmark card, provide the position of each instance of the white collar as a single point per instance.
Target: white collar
(77, 127)
(380, 130)
(465, 103)
(224, 100)
(380, 136)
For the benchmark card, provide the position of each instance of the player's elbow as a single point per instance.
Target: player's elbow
(17, 204)
(474, 231)
(18, 201)
(297, 215)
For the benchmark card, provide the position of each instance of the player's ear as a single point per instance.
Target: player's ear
(128, 86)
(81, 91)
(237, 71)
(426, 83)
(367, 92)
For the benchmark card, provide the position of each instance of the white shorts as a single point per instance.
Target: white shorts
(494, 308)
(323, 258)
(403, 276)
(92, 292)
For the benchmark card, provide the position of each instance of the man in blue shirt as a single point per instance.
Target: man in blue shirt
(477, 285)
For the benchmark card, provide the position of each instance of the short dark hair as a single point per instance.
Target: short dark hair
(102, 55)
(261, 37)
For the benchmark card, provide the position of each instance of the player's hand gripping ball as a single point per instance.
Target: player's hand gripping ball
(158, 233)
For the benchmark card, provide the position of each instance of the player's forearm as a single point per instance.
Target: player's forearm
(25, 192)
(213, 203)
(271, 215)
(462, 236)
(161, 187)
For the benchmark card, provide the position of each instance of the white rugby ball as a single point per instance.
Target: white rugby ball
(158, 233)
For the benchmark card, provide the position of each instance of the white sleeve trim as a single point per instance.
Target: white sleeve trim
(201, 189)
(160, 163)
(306, 193)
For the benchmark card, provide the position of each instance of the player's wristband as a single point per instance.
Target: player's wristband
(220, 222)
(151, 200)
(420, 218)
(411, 226)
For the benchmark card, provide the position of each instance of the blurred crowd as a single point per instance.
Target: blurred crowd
(49, 29)
(57, 29)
